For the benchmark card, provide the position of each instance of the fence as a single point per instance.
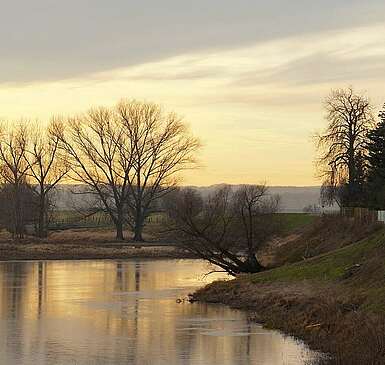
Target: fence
(73, 219)
(381, 216)
(364, 214)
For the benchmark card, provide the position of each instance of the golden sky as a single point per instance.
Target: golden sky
(255, 106)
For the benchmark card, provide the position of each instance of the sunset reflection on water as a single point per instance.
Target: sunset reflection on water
(126, 312)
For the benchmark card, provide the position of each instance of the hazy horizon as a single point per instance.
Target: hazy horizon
(221, 183)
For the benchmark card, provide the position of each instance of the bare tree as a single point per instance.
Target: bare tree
(13, 169)
(161, 146)
(46, 170)
(342, 146)
(331, 193)
(255, 211)
(227, 228)
(27, 200)
(100, 157)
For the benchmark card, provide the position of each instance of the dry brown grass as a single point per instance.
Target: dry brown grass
(320, 315)
(335, 302)
(65, 251)
(84, 244)
(80, 235)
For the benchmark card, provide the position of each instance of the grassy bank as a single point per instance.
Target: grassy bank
(294, 221)
(334, 301)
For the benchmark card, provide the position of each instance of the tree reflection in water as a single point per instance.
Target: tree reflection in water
(99, 312)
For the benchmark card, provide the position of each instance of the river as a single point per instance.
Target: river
(126, 312)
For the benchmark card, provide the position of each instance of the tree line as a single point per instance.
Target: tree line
(352, 152)
(128, 156)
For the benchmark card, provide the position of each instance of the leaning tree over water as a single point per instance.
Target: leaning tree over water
(227, 228)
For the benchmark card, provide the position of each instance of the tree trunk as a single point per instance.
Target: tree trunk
(139, 220)
(252, 265)
(42, 225)
(352, 175)
(138, 237)
(138, 229)
(119, 223)
(19, 224)
(119, 230)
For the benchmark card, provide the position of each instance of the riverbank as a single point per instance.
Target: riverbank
(84, 244)
(51, 251)
(100, 243)
(335, 302)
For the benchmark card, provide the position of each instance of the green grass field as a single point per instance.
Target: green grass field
(72, 218)
(294, 221)
(290, 221)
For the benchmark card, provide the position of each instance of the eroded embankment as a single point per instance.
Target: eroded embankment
(334, 302)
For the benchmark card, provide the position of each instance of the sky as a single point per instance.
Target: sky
(249, 77)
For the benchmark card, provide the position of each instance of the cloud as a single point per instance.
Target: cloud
(50, 40)
(317, 58)
(292, 72)
(255, 106)
(333, 57)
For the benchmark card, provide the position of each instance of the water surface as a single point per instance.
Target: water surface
(126, 312)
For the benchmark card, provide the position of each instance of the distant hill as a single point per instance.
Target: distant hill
(293, 198)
